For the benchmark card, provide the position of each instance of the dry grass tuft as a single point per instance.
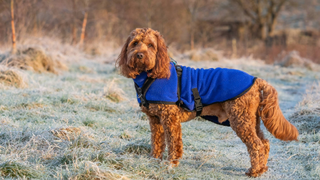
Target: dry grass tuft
(293, 59)
(114, 93)
(125, 135)
(11, 77)
(70, 133)
(85, 69)
(33, 105)
(204, 54)
(33, 59)
(115, 97)
(100, 107)
(91, 170)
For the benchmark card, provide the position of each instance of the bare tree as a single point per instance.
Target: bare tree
(14, 47)
(149, 7)
(272, 16)
(184, 23)
(84, 23)
(192, 7)
(74, 25)
(262, 14)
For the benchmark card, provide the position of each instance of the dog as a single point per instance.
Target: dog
(144, 59)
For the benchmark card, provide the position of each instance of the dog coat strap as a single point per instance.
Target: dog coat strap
(139, 92)
(143, 91)
(197, 101)
(179, 74)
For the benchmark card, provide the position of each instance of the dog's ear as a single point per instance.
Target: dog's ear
(162, 64)
(121, 62)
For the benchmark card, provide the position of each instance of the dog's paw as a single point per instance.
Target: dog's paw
(251, 173)
(156, 156)
(174, 163)
(263, 170)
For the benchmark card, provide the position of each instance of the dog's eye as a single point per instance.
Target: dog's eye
(150, 45)
(135, 43)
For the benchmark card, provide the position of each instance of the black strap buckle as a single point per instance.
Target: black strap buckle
(197, 101)
(139, 91)
(178, 68)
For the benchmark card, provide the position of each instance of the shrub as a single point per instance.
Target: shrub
(33, 59)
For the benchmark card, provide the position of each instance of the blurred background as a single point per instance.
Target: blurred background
(264, 29)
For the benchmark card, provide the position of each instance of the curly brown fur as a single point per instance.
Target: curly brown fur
(157, 137)
(272, 116)
(155, 57)
(243, 120)
(244, 113)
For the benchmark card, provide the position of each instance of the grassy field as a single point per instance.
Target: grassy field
(85, 123)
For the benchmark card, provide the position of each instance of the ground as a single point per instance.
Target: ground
(85, 123)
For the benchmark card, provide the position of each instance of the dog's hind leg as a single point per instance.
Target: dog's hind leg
(264, 153)
(157, 137)
(243, 120)
(241, 123)
(170, 120)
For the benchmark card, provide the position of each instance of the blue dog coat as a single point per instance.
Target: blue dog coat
(162, 91)
(213, 85)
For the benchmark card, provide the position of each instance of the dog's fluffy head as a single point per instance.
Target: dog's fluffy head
(144, 50)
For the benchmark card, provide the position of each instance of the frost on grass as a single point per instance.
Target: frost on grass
(69, 127)
(16, 169)
(307, 113)
(98, 106)
(307, 119)
(138, 147)
(85, 69)
(293, 59)
(33, 59)
(125, 135)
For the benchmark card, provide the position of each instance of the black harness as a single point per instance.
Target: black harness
(143, 91)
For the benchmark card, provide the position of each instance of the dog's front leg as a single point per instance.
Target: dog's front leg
(157, 137)
(172, 129)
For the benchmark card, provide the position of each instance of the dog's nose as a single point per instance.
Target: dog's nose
(139, 55)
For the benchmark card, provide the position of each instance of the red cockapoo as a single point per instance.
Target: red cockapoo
(144, 58)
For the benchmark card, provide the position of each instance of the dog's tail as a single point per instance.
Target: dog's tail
(271, 115)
